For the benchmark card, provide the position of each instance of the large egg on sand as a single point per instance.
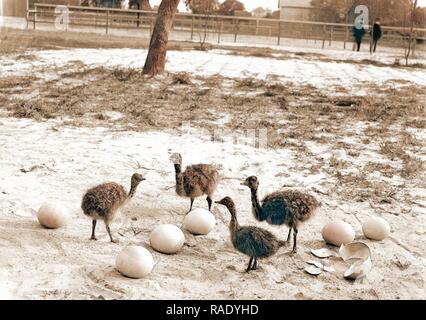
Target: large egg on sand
(167, 238)
(376, 228)
(338, 233)
(134, 262)
(52, 215)
(199, 221)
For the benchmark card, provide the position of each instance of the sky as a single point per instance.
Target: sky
(252, 4)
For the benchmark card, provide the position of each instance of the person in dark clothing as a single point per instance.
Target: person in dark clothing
(376, 35)
(359, 32)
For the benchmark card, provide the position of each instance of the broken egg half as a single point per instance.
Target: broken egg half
(359, 252)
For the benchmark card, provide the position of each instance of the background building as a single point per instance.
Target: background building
(295, 9)
(13, 8)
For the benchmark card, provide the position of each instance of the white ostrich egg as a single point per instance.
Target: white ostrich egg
(338, 233)
(134, 262)
(376, 228)
(167, 238)
(52, 215)
(199, 221)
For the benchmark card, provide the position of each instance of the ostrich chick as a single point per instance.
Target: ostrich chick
(103, 201)
(195, 181)
(255, 242)
(289, 207)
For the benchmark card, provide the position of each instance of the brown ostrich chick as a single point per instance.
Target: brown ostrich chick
(103, 201)
(289, 207)
(197, 180)
(255, 242)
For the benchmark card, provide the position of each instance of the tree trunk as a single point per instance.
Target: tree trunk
(156, 59)
(144, 5)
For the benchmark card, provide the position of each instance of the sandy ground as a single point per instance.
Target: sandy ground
(55, 160)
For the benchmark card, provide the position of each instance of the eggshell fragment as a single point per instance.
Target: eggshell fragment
(199, 221)
(338, 233)
(134, 262)
(376, 228)
(329, 269)
(167, 238)
(313, 270)
(358, 270)
(52, 215)
(316, 264)
(323, 253)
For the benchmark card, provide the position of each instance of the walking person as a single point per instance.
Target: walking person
(359, 32)
(376, 34)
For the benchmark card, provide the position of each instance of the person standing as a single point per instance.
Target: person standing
(376, 35)
(359, 32)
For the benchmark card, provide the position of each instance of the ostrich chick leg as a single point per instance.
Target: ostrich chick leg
(289, 234)
(209, 202)
(249, 264)
(93, 237)
(192, 202)
(109, 233)
(295, 240)
(254, 267)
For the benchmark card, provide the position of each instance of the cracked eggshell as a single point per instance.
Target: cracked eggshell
(52, 215)
(167, 238)
(199, 221)
(359, 269)
(376, 228)
(134, 262)
(354, 250)
(338, 233)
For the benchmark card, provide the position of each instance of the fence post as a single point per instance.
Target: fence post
(107, 22)
(346, 37)
(257, 27)
(323, 38)
(236, 31)
(220, 32)
(192, 27)
(331, 35)
(279, 32)
(35, 16)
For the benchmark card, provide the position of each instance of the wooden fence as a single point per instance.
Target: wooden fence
(217, 28)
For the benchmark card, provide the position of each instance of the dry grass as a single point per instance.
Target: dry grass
(14, 83)
(13, 41)
(182, 78)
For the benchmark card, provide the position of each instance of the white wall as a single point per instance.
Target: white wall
(296, 3)
(295, 9)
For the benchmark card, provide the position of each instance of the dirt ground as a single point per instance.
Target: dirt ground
(83, 124)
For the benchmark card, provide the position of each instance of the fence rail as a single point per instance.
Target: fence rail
(215, 28)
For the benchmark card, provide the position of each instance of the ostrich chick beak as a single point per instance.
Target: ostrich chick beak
(244, 183)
